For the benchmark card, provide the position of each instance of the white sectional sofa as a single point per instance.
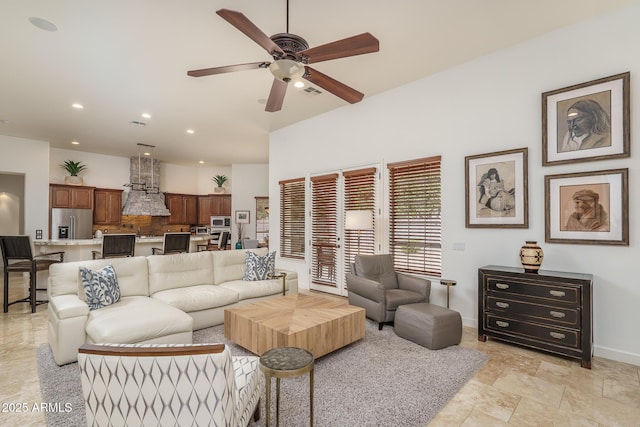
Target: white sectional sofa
(163, 298)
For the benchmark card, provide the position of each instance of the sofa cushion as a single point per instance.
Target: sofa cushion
(136, 319)
(260, 288)
(100, 287)
(196, 298)
(132, 272)
(259, 267)
(179, 271)
(230, 265)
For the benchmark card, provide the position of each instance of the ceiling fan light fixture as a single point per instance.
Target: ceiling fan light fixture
(286, 70)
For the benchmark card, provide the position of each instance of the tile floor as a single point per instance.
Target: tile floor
(516, 387)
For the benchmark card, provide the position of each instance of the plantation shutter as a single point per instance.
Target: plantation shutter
(292, 216)
(359, 194)
(324, 218)
(415, 224)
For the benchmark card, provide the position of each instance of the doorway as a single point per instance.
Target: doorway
(333, 246)
(11, 204)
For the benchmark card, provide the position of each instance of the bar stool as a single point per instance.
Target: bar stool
(286, 362)
(18, 258)
(116, 245)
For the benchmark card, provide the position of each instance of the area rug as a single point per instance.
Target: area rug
(381, 380)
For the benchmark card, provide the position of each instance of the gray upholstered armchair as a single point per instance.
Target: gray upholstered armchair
(374, 285)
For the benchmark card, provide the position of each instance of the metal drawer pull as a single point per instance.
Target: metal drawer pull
(557, 293)
(502, 324)
(557, 335)
(557, 314)
(502, 304)
(502, 286)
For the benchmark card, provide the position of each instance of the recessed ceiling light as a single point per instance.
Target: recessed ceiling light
(146, 115)
(75, 142)
(201, 162)
(43, 24)
(77, 106)
(190, 131)
(299, 84)
(147, 153)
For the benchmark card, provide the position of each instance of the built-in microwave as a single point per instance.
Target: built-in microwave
(218, 222)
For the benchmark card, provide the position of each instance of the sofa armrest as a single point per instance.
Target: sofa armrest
(366, 288)
(68, 306)
(415, 284)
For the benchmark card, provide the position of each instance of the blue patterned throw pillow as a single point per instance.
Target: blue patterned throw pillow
(259, 267)
(100, 287)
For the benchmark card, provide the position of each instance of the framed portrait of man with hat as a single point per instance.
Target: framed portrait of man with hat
(587, 208)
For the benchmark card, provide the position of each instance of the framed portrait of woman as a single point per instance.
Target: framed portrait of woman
(587, 208)
(587, 121)
(496, 190)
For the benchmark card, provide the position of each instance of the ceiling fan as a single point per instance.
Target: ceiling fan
(291, 54)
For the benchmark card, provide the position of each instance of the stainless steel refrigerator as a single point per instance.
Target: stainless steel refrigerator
(71, 223)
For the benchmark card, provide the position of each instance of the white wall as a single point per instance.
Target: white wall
(250, 181)
(491, 104)
(31, 158)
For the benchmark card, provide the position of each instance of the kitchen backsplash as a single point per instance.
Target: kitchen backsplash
(149, 226)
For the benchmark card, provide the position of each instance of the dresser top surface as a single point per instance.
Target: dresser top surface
(540, 273)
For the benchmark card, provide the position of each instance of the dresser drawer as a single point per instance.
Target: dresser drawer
(569, 317)
(547, 333)
(549, 292)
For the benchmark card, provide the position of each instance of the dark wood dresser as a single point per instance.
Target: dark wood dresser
(548, 310)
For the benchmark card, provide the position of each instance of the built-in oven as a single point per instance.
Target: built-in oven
(220, 222)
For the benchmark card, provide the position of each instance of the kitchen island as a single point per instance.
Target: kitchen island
(80, 249)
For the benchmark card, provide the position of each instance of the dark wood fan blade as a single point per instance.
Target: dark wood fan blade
(351, 46)
(243, 24)
(331, 85)
(276, 96)
(227, 69)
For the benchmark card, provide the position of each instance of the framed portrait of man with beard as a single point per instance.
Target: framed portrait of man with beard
(587, 208)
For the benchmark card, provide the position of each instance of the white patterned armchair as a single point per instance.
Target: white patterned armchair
(169, 385)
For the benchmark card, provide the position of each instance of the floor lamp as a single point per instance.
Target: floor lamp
(358, 220)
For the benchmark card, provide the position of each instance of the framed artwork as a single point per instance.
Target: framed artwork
(587, 208)
(587, 121)
(242, 217)
(496, 190)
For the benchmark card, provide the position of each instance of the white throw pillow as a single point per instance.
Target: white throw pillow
(259, 267)
(100, 287)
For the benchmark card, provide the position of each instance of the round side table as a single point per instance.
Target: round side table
(448, 284)
(286, 362)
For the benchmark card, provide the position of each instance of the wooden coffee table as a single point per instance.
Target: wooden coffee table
(320, 325)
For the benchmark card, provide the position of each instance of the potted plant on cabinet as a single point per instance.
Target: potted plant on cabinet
(219, 180)
(74, 168)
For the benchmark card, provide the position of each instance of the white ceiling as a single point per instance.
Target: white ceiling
(121, 58)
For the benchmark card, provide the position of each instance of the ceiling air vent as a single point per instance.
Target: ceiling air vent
(312, 91)
(137, 123)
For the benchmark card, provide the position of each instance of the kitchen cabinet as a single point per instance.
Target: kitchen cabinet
(107, 207)
(70, 196)
(548, 310)
(183, 208)
(213, 204)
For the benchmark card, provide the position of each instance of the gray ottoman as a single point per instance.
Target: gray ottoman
(429, 325)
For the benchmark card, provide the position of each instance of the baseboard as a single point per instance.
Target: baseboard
(617, 355)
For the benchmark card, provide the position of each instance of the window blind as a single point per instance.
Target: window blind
(324, 221)
(292, 216)
(415, 223)
(359, 194)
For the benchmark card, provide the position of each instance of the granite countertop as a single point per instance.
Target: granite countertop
(78, 242)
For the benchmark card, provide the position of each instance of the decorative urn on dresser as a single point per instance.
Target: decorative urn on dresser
(531, 256)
